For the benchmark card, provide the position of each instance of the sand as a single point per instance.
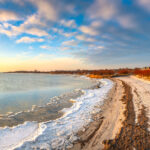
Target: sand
(141, 94)
(124, 120)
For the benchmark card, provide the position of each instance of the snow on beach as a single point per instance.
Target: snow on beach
(60, 133)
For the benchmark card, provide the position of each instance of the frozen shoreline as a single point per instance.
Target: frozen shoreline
(124, 120)
(13, 137)
(75, 118)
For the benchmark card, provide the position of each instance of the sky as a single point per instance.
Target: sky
(74, 34)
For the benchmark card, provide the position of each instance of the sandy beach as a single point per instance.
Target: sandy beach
(124, 120)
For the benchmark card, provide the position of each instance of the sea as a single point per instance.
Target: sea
(45, 111)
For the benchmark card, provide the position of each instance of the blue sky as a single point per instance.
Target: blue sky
(77, 34)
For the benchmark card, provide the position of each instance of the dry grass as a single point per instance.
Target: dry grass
(94, 76)
(143, 77)
(98, 76)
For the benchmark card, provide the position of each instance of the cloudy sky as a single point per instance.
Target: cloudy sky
(74, 34)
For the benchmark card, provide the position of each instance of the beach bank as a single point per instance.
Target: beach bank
(106, 124)
(123, 122)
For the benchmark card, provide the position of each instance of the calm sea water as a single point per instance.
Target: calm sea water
(19, 92)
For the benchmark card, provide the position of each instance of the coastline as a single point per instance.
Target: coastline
(106, 123)
(118, 125)
(114, 123)
(92, 96)
(51, 110)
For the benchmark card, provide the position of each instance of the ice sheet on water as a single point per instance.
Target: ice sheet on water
(60, 133)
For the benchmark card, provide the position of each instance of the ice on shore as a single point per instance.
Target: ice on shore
(11, 138)
(60, 133)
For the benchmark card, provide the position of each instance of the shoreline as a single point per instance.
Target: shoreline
(124, 133)
(116, 123)
(94, 133)
(132, 135)
(91, 98)
(44, 113)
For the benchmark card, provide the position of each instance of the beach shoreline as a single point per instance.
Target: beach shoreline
(117, 122)
(122, 129)
(94, 133)
(92, 96)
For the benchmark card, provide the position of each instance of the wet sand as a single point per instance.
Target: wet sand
(118, 126)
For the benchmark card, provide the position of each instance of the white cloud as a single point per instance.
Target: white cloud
(33, 24)
(60, 31)
(100, 47)
(30, 27)
(6, 32)
(69, 34)
(37, 32)
(110, 10)
(6, 15)
(6, 25)
(69, 23)
(66, 34)
(70, 43)
(29, 40)
(33, 20)
(46, 9)
(126, 21)
(84, 38)
(96, 48)
(96, 24)
(145, 4)
(45, 47)
(104, 9)
(16, 30)
(65, 48)
(88, 30)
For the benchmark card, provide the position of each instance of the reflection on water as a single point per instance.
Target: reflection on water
(19, 92)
